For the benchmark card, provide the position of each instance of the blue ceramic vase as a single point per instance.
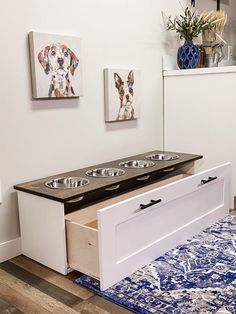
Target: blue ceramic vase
(188, 54)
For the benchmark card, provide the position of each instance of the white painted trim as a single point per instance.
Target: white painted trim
(10, 249)
(200, 71)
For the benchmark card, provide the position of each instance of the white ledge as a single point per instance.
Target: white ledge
(200, 71)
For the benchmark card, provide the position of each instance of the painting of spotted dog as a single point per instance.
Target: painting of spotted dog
(122, 89)
(55, 65)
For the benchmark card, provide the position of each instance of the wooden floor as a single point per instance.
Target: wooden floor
(28, 287)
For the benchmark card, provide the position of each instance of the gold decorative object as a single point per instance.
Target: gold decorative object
(212, 38)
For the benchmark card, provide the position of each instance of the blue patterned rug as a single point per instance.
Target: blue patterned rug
(198, 277)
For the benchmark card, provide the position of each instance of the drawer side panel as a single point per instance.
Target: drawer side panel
(82, 248)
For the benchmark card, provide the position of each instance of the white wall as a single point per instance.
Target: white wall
(41, 138)
(200, 118)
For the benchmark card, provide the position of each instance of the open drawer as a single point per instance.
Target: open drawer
(112, 239)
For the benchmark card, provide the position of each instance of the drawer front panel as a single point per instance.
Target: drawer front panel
(146, 229)
(129, 237)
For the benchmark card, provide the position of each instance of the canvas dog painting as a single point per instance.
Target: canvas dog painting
(122, 89)
(60, 62)
(56, 65)
(126, 93)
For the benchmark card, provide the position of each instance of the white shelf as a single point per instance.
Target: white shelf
(201, 71)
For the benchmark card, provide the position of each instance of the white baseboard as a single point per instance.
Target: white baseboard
(10, 249)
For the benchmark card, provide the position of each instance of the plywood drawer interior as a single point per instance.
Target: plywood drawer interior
(82, 229)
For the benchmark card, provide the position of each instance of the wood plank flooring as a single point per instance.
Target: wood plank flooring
(29, 287)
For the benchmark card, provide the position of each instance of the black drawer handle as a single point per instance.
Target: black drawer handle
(209, 180)
(152, 202)
(143, 206)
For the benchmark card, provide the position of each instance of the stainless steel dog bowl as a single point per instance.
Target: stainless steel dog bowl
(162, 157)
(66, 183)
(105, 172)
(136, 164)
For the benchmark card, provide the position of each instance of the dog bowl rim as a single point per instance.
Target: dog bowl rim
(172, 156)
(150, 163)
(67, 188)
(102, 176)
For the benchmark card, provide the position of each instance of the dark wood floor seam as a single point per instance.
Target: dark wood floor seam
(44, 286)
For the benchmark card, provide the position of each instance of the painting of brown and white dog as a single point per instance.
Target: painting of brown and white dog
(55, 65)
(60, 62)
(126, 95)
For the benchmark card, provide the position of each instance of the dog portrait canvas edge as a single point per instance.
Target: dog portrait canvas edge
(34, 65)
(106, 95)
